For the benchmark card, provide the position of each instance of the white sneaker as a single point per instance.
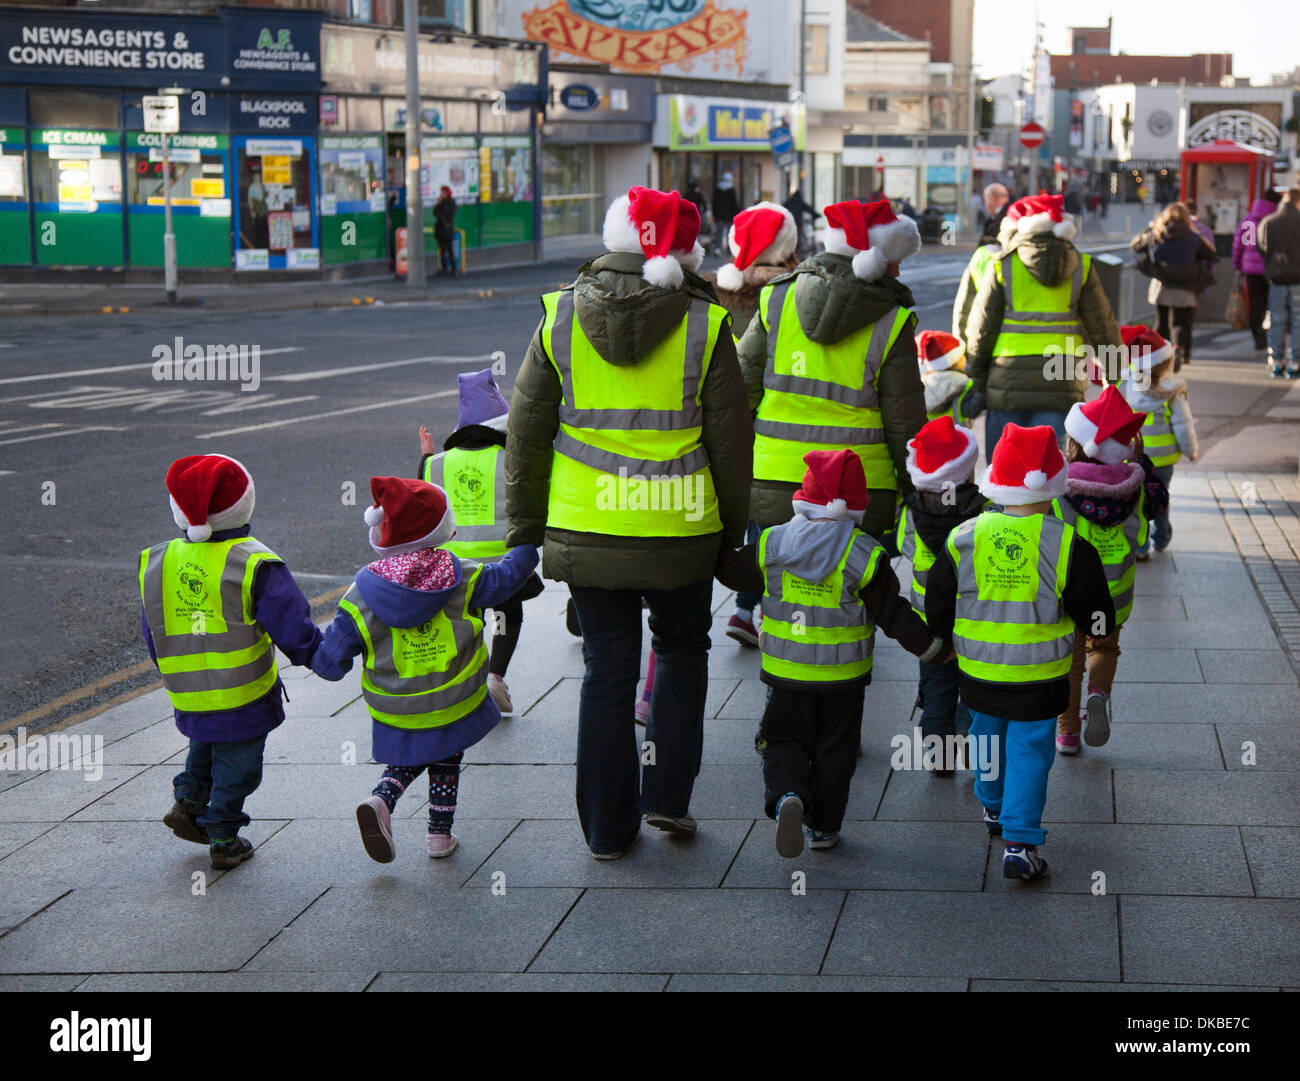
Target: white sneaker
(500, 694)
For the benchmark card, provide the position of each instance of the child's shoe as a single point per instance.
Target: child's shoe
(991, 823)
(442, 845)
(823, 838)
(227, 854)
(642, 711)
(1097, 714)
(376, 829)
(182, 822)
(1067, 742)
(1023, 862)
(1142, 556)
(685, 826)
(743, 631)
(500, 693)
(789, 826)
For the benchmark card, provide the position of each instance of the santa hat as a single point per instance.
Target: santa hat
(834, 486)
(1038, 214)
(1105, 426)
(662, 226)
(872, 234)
(1145, 347)
(765, 233)
(937, 351)
(209, 492)
(941, 453)
(408, 515)
(1027, 467)
(480, 401)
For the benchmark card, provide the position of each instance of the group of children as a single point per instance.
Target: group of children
(1017, 585)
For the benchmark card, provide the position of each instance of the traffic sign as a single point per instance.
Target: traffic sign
(162, 113)
(782, 143)
(1032, 135)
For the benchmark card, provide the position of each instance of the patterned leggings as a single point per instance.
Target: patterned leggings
(444, 780)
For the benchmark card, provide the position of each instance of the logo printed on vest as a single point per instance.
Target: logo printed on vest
(193, 592)
(1007, 559)
(423, 646)
(471, 497)
(800, 591)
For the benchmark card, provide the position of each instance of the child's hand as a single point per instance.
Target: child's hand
(426, 441)
(1194, 456)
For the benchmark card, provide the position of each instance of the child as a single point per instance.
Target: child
(1105, 497)
(941, 463)
(761, 242)
(943, 372)
(417, 615)
(471, 469)
(1009, 588)
(1170, 430)
(826, 586)
(213, 605)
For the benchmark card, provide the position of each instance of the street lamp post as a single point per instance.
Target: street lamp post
(414, 204)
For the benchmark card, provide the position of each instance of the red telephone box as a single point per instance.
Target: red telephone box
(1225, 178)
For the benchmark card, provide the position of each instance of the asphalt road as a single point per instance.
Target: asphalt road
(87, 433)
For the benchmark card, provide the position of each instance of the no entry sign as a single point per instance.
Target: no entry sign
(1032, 135)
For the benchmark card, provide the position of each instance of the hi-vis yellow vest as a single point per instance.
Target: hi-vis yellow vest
(1010, 625)
(1158, 438)
(426, 676)
(198, 600)
(912, 545)
(628, 460)
(820, 397)
(819, 632)
(1037, 316)
(475, 483)
(1116, 545)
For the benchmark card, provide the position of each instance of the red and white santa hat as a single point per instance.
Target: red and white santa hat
(765, 233)
(872, 234)
(1145, 347)
(1027, 467)
(1105, 426)
(408, 515)
(661, 225)
(209, 492)
(937, 351)
(941, 454)
(834, 486)
(1040, 213)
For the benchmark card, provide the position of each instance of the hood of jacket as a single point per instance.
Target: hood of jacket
(808, 550)
(755, 277)
(399, 605)
(623, 315)
(935, 519)
(833, 303)
(477, 436)
(942, 387)
(1154, 394)
(1260, 209)
(1048, 258)
(1104, 494)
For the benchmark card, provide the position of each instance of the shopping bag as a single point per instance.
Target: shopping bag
(1238, 310)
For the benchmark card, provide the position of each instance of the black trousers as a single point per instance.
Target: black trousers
(810, 747)
(1257, 303)
(1181, 336)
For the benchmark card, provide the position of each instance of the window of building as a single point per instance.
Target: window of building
(816, 49)
(878, 103)
(573, 190)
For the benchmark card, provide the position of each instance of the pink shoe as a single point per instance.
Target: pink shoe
(743, 631)
(376, 829)
(642, 710)
(1067, 743)
(442, 845)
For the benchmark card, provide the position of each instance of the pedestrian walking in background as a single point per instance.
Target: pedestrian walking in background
(471, 469)
(415, 615)
(805, 217)
(1011, 589)
(1035, 313)
(695, 194)
(1180, 264)
(979, 267)
(761, 242)
(1247, 261)
(942, 359)
(996, 201)
(1279, 245)
(1201, 227)
(215, 604)
(444, 230)
(726, 205)
(1169, 431)
(629, 453)
(829, 362)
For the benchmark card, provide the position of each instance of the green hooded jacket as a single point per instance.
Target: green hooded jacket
(625, 317)
(833, 303)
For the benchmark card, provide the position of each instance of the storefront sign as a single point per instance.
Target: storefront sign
(579, 97)
(252, 259)
(196, 141)
(276, 113)
(184, 155)
(214, 208)
(208, 188)
(302, 259)
(1238, 124)
(271, 147)
(282, 45)
(986, 157)
(719, 124)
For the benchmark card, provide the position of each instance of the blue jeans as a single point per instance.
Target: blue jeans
(218, 777)
(1025, 751)
(997, 419)
(1283, 317)
(747, 599)
(1161, 532)
(943, 713)
(608, 751)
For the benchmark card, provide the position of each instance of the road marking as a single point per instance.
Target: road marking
(28, 427)
(81, 373)
(239, 407)
(331, 413)
(69, 431)
(327, 373)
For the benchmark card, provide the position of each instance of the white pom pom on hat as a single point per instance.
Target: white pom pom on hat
(374, 516)
(870, 265)
(198, 533)
(663, 271)
(729, 278)
(1035, 479)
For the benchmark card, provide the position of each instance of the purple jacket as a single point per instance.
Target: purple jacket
(1245, 257)
(281, 608)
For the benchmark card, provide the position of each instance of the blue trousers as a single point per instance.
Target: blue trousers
(997, 419)
(943, 713)
(1024, 752)
(1161, 531)
(218, 777)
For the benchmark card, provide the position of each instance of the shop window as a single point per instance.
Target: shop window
(878, 103)
(816, 49)
(276, 224)
(573, 190)
(506, 189)
(73, 108)
(192, 181)
(76, 180)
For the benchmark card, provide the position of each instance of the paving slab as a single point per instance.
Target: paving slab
(39, 981)
(23, 897)
(316, 697)
(1211, 798)
(147, 747)
(182, 982)
(1248, 941)
(13, 835)
(1147, 664)
(561, 702)
(735, 931)
(695, 981)
(544, 982)
(1207, 704)
(129, 717)
(1263, 746)
(512, 792)
(1032, 986)
(59, 794)
(532, 739)
(1274, 856)
(1254, 666)
(12, 778)
(1135, 745)
(991, 935)
(305, 740)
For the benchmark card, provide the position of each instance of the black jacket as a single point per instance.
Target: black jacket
(444, 220)
(989, 234)
(725, 204)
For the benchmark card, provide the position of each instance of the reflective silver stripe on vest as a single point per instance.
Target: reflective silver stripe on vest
(819, 653)
(1055, 328)
(812, 433)
(1012, 313)
(849, 613)
(1043, 609)
(690, 415)
(219, 679)
(1017, 653)
(811, 615)
(496, 529)
(609, 462)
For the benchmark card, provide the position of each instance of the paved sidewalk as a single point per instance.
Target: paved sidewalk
(1190, 813)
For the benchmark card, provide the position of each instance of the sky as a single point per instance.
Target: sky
(1004, 31)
